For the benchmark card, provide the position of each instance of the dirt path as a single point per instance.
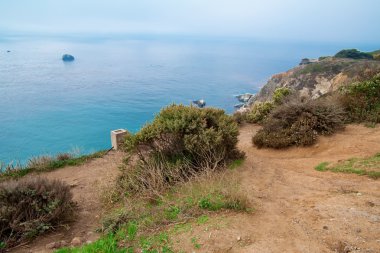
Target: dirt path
(299, 209)
(85, 181)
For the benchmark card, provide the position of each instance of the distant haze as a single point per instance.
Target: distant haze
(312, 20)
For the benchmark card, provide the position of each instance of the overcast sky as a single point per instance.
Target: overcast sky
(307, 20)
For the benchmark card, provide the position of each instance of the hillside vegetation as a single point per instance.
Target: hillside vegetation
(297, 106)
(318, 78)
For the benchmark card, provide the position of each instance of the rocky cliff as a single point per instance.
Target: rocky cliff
(318, 78)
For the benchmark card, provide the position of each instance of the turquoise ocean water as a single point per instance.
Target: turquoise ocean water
(48, 106)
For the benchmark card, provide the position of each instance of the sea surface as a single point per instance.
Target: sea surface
(48, 106)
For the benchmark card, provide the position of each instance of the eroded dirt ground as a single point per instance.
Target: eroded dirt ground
(297, 209)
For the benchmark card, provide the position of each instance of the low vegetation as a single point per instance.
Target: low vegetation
(369, 166)
(353, 54)
(323, 67)
(361, 100)
(45, 163)
(180, 143)
(31, 206)
(147, 224)
(299, 123)
(292, 121)
(259, 111)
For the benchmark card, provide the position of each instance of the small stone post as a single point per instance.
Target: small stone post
(117, 138)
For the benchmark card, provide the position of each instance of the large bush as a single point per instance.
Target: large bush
(353, 54)
(299, 123)
(32, 206)
(180, 141)
(361, 100)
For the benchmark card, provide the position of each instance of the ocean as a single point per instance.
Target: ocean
(48, 106)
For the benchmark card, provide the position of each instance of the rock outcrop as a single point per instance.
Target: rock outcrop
(315, 79)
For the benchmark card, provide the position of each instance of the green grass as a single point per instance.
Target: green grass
(195, 243)
(369, 166)
(43, 164)
(107, 244)
(322, 166)
(236, 163)
(119, 243)
(134, 227)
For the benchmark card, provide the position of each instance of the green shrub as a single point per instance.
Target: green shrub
(31, 206)
(280, 94)
(362, 100)
(299, 123)
(353, 54)
(321, 58)
(239, 117)
(180, 142)
(259, 111)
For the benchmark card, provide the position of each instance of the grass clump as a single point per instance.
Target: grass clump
(181, 142)
(133, 228)
(45, 163)
(107, 244)
(299, 123)
(322, 166)
(210, 191)
(361, 100)
(369, 166)
(31, 206)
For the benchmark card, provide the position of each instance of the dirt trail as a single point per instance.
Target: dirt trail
(85, 181)
(299, 209)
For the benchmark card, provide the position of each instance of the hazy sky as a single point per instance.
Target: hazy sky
(310, 20)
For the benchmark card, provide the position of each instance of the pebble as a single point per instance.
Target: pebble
(76, 241)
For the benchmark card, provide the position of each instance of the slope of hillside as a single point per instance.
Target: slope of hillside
(318, 78)
(297, 209)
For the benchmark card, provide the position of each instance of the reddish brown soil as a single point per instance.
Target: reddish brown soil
(297, 209)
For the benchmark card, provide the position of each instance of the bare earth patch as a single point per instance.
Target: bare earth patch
(297, 209)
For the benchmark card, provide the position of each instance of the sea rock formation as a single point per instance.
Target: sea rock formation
(67, 58)
(200, 103)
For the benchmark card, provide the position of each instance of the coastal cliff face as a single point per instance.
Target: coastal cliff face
(315, 79)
